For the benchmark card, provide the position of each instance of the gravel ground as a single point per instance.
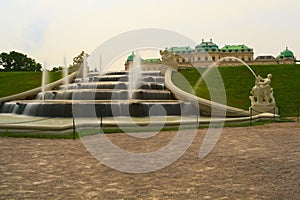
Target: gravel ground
(261, 162)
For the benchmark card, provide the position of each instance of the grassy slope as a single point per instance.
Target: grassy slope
(238, 82)
(16, 82)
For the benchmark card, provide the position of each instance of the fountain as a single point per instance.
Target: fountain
(134, 76)
(44, 71)
(114, 94)
(105, 93)
(65, 73)
(85, 69)
(262, 99)
(100, 64)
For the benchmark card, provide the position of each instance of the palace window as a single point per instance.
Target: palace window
(199, 58)
(206, 58)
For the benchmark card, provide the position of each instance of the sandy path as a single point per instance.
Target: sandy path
(261, 162)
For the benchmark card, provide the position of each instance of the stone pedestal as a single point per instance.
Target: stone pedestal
(263, 108)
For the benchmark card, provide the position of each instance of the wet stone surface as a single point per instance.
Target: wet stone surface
(261, 162)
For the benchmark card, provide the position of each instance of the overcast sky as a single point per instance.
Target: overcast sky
(48, 30)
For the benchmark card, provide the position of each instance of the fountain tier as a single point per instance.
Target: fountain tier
(106, 96)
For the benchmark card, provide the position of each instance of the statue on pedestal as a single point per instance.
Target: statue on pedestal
(168, 59)
(263, 99)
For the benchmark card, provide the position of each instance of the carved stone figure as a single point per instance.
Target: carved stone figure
(263, 99)
(168, 59)
(262, 91)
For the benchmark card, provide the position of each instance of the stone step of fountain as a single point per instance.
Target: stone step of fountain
(112, 85)
(98, 108)
(105, 94)
(121, 78)
(149, 73)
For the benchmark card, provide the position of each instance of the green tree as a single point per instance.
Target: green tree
(15, 61)
(57, 69)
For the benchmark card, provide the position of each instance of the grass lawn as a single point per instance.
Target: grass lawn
(238, 81)
(16, 82)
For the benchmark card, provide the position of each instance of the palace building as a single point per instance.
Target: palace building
(207, 52)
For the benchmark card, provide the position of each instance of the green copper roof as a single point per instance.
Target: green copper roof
(286, 54)
(207, 46)
(236, 48)
(152, 60)
(131, 57)
(181, 49)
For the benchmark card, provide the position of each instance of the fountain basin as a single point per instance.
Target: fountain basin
(104, 108)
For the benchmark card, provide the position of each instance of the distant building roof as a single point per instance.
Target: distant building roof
(205, 45)
(286, 54)
(152, 60)
(236, 48)
(185, 49)
(265, 57)
(131, 57)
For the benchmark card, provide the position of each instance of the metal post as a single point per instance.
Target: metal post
(74, 132)
(250, 116)
(101, 121)
(297, 114)
(274, 113)
(197, 120)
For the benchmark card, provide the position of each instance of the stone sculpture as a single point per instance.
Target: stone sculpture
(263, 99)
(168, 59)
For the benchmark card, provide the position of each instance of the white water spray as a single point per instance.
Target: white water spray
(234, 58)
(84, 71)
(43, 81)
(65, 74)
(100, 64)
(134, 76)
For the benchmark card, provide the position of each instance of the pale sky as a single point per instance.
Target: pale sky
(49, 30)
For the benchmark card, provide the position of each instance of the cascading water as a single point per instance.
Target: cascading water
(65, 74)
(85, 70)
(43, 81)
(134, 76)
(100, 64)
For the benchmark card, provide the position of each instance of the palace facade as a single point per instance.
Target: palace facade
(207, 53)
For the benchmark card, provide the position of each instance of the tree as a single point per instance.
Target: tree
(15, 61)
(57, 69)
